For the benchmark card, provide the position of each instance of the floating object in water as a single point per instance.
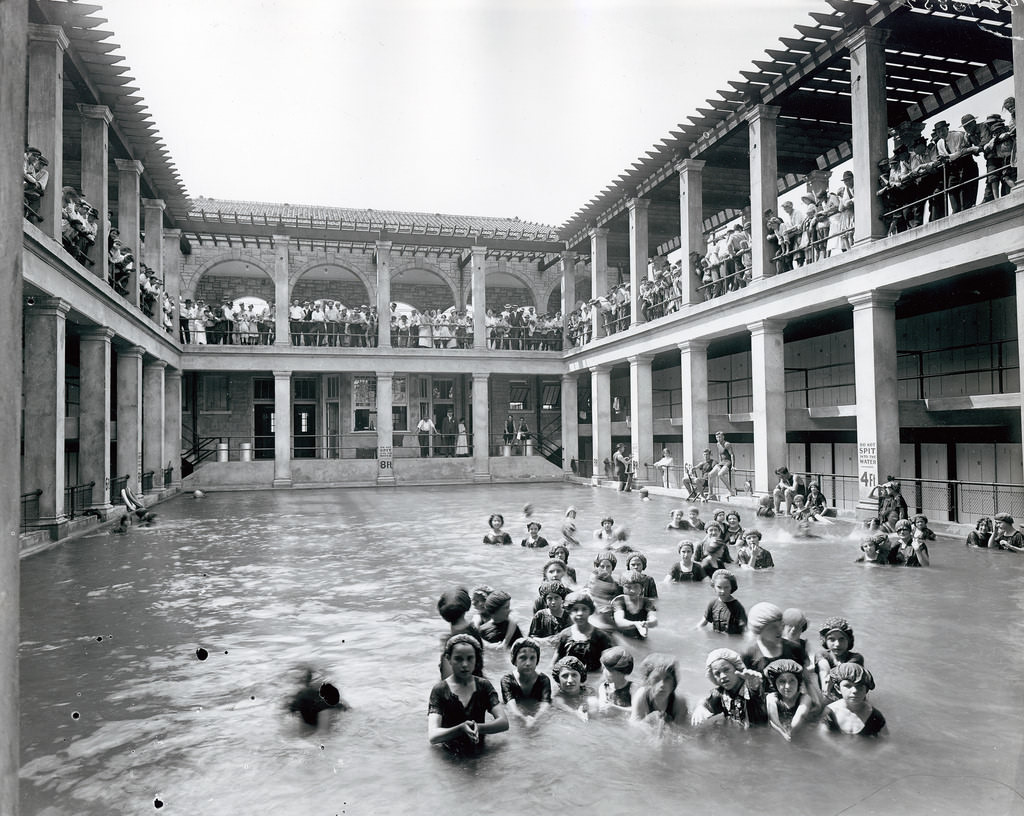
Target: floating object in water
(528, 510)
(311, 699)
(198, 494)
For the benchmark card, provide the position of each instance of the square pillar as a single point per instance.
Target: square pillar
(173, 264)
(129, 417)
(128, 217)
(598, 277)
(385, 427)
(172, 425)
(479, 272)
(641, 408)
(764, 183)
(601, 416)
(878, 411)
(282, 331)
(570, 423)
(638, 252)
(45, 126)
(1017, 259)
(153, 246)
(282, 429)
(383, 263)
(693, 376)
(567, 267)
(481, 437)
(768, 381)
(96, 121)
(691, 224)
(94, 414)
(43, 388)
(153, 406)
(870, 128)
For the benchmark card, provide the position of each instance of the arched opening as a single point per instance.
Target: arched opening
(331, 281)
(421, 289)
(234, 278)
(507, 290)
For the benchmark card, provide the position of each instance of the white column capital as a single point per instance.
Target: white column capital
(598, 232)
(767, 113)
(382, 246)
(766, 327)
(1017, 259)
(691, 346)
(478, 250)
(155, 364)
(95, 112)
(568, 256)
(690, 166)
(481, 377)
(37, 32)
(569, 377)
(873, 300)
(129, 166)
(172, 232)
(282, 375)
(638, 203)
(385, 375)
(131, 351)
(636, 360)
(172, 374)
(154, 204)
(281, 239)
(866, 35)
(601, 368)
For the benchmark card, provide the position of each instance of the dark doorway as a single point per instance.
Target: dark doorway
(304, 431)
(263, 431)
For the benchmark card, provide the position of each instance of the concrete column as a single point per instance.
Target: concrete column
(691, 223)
(601, 416)
(282, 428)
(570, 423)
(764, 183)
(172, 425)
(1017, 21)
(641, 410)
(1017, 259)
(128, 217)
(638, 251)
(96, 120)
(45, 126)
(94, 414)
(45, 348)
(598, 275)
(568, 269)
(878, 419)
(870, 128)
(129, 417)
(282, 295)
(383, 297)
(153, 406)
(479, 298)
(693, 376)
(13, 63)
(768, 381)
(173, 264)
(481, 428)
(385, 425)
(153, 246)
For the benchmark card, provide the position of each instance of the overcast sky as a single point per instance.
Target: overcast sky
(516, 108)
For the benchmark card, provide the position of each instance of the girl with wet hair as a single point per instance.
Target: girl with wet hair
(657, 698)
(496, 535)
(738, 693)
(616, 690)
(525, 691)
(453, 606)
(561, 552)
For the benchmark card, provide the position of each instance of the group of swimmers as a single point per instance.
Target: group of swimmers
(771, 680)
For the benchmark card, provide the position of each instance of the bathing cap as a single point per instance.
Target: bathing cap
(853, 673)
(782, 666)
(495, 601)
(455, 640)
(761, 614)
(453, 604)
(574, 598)
(794, 617)
(724, 573)
(836, 624)
(552, 562)
(641, 556)
(552, 588)
(617, 659)
(572, 663)
(722, 654)
(525, 643)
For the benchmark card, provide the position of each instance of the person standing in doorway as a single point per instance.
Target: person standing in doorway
(448, 431)
(424, 428)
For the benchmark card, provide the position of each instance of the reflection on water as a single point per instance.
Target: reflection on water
(347, 581)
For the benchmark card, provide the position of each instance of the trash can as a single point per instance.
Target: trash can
(222, 451)
(245, 452)
(506, 450)
(529, 447)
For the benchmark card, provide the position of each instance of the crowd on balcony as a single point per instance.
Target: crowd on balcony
(35, 181)
(247, 324)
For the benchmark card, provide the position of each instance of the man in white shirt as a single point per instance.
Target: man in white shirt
(424, 428)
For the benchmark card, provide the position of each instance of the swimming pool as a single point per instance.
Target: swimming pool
(347, 581)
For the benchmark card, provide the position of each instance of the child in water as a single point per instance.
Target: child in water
(561, 552)
(656, 699)
(453, 606)
(837, 638)
(524, 689)
(496, 535)
(606, 535)
(603, 587)
(479, 598)
(632, 612)
(852, 714)
(572, 693)
(500, 629)
(615, 690)
(677, 521)
(533, 538)
(569, 529)
(752, 554)
(712, 552)
(724, 613)
(582, 640)
(551, 620)
(686, 569)
(789, 706)
(737, 696)
(638, 561)
(459, 704)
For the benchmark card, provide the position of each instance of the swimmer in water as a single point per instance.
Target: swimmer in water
(459, 704)
(615, 691)
(789, 705)
(606, 534)
(656, 700)
(837, 638)
(453, 606)
(561, 552)
(724, 613)
(525, 691)
(553, 618)
(479, 599)
(603, 587)
(569, 529)
(501, 628)
(533, 538)
(738, 693)
(496, 535)
(852, 714)
(582, 640)
(314, 697)
(572, 693)
(632, 612)
(752, 554)
(686, 569)
(638, 561)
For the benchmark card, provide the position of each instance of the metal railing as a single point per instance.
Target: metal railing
(147, 481)
(1001, 354)
(940, 198)
(117, 484)
(77, 498)
(262, 336)
(30, 509)
(168, 476)
(815, 249)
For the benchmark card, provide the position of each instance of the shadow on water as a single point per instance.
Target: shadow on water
(118, 709)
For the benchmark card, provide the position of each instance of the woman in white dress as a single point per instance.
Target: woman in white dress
(462, 439)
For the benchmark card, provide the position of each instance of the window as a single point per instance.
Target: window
(518, 395)
(216, 394)
(364, 403)
(262, 389)
(551, 396)
(333, 388)
(305, 390)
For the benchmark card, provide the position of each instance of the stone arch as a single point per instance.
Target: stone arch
(554, 294)
(332, 279)
(494, 280)
(229, 276)
(423, 286)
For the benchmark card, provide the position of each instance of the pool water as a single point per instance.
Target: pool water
(120, 716)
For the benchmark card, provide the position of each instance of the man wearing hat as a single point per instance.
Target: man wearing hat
(845, 196)
(962, 170)
(994, 162)
(792, 226)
